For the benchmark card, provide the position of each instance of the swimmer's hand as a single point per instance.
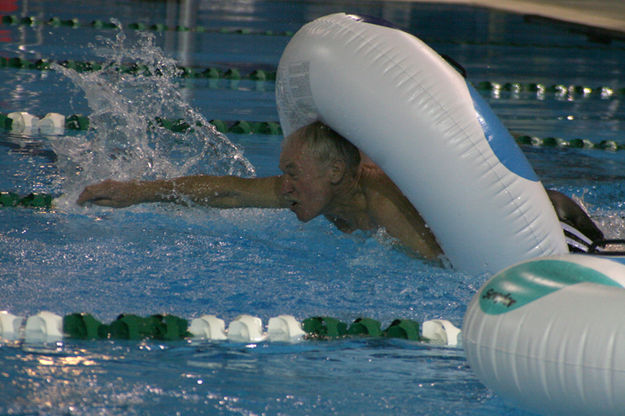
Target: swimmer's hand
(112, 194)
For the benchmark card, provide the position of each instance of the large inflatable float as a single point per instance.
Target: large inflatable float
(417, 117)
(548, 332)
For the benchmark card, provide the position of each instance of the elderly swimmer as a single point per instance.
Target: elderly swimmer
(323, 174)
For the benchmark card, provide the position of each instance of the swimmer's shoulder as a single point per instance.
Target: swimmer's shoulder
(390, 209)
(376, 185)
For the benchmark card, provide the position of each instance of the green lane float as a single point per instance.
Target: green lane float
(324, 327)
(32, 200)
(46, 326)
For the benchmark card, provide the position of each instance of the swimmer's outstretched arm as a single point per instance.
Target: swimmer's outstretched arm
(213, 191)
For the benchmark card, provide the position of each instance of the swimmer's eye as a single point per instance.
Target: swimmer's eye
(291, 175)
(290, 171)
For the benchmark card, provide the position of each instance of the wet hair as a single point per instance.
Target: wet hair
(327, 145)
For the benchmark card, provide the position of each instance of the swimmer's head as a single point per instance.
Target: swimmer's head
(327, 145)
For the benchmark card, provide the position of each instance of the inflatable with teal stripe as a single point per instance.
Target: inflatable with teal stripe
(549, 333)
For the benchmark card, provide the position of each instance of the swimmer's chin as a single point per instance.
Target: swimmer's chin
(296, 208)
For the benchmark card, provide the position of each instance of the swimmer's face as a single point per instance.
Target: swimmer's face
(306, 183)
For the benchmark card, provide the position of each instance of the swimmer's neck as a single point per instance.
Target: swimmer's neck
(349, 209)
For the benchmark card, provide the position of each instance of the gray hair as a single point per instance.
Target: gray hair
(327, 145)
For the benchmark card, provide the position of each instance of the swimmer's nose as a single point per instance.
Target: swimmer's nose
(287, 186)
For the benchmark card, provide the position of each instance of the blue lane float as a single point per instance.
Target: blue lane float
(416, 116)
(549, 334)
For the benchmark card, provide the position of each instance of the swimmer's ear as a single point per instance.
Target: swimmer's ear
(337, 171)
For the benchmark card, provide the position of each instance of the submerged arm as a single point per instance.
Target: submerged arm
(213, 191)
(393, 211)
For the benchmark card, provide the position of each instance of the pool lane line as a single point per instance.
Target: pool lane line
(48, 327)
(541, 90)
(211, 72)
(32, 200)
(559, 143)
(55, 123)
(233, 74)
(75, 23)
(598, 43)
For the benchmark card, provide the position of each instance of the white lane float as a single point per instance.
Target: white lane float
(428, 129)
(549, 334)
(208, 327)
(23, 122)
(10, 325)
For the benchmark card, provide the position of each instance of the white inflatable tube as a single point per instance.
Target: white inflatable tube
(418, 119)
(549, 334)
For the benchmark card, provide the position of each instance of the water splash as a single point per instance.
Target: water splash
(124, 140)
(603, 203)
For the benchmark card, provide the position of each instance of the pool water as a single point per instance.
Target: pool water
(189, 261)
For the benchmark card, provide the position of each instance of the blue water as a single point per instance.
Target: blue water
(190, 260)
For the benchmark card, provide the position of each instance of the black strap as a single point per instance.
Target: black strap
(593, 249)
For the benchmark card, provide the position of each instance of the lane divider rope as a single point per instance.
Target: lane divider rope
(55, 123)
(541, 90)
(32, 200)
(556, 142)
(231, 73)
(99, 24)
(75, 23)
(46, 327)
(494, 89)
